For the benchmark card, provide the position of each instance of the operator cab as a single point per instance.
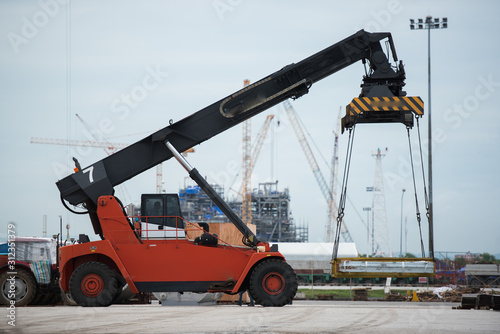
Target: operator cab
(161, 216)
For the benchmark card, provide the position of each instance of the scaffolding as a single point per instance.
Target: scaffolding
(272, 215)
(271, 211)
(196, 206)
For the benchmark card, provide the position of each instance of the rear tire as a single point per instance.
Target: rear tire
(41, 299)
(273, 283)
(93, 284)
(67, 299)
(25, 288)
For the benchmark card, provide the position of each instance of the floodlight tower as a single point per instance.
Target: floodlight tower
(429, 24)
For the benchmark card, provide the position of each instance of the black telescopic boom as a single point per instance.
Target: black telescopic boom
(292, 81)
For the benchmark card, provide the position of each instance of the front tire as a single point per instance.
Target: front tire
(93, 284)
(273, 283)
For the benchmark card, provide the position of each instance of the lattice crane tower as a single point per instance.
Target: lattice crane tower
(261, 136)
(332, 186)
(380, 231)
(246, 201)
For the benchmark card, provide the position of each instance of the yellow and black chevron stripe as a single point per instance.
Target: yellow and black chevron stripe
(393, 103)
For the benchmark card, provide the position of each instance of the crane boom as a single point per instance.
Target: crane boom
(260, 139)
(86, 143)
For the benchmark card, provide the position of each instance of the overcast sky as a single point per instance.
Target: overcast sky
(174, 58)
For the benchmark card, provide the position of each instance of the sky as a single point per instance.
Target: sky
(128, 67)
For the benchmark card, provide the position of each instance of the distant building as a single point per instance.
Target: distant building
(271, 211)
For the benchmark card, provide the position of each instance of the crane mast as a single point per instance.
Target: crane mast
(257, 147)
(246, 201)
(334, 167)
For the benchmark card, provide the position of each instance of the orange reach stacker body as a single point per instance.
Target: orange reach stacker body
(168, 264)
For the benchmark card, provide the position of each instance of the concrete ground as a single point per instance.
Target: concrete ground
(301, 317)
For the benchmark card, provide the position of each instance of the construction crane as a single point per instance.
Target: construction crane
(325, 190)
(334, 167)
(109, 147)
(246, 201)
(159, 167)
(257, 146)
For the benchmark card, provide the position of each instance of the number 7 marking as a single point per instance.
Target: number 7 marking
(90, 170)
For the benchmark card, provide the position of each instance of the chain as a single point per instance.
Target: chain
(415, 191)
(343, 195)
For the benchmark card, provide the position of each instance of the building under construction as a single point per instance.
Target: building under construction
(272, 215)
(196, 206)
(271, 211)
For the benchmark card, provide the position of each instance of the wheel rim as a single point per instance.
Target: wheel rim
(273, 283)
(92, 285)
(21, 288)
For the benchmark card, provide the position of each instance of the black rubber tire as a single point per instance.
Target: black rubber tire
(67, 299)
(25, 288)
(55, 298)
(120, 285)
(37, 299)
(273, 283)
(93, 284)
(124, 296)
(42, 299)
(46, 299)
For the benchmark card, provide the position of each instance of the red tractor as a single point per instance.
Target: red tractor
(28, 271)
